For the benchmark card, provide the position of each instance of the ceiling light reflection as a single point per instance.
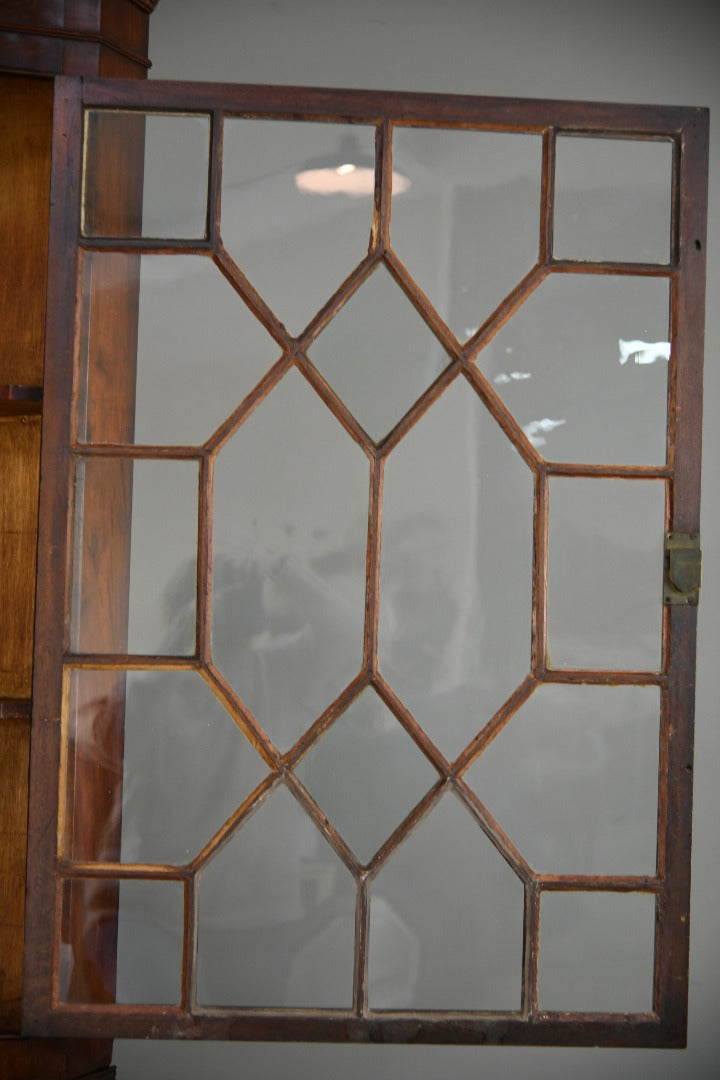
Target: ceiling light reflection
(643, 352)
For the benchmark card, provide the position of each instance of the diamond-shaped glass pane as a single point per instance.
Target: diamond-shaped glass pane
(378, 354)
(276, 915)
(592, 748)
(186, 765)
(583, 367)
(468, 227)
(199, 349)
(291, 491)
(461, 907)
(296, 246)
(456, 590)
(366, 774)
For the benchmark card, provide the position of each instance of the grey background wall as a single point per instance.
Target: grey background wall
(617, 50)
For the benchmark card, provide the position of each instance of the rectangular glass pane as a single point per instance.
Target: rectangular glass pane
(146, 174)
(605, 573)
(135, 556)
(145, 917)
(613, 199)
(596, 952)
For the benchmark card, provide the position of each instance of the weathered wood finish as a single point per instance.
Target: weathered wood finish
(665, 1025)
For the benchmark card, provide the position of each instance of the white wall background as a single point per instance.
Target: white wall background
(618, 50)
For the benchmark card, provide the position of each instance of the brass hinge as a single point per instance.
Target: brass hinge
(683, 565)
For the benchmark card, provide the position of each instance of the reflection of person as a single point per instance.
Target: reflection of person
(276, 905)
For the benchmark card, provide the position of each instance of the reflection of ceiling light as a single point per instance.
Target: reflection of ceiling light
(536, 428)
(643, 352)
(354, 176)
(514, 376)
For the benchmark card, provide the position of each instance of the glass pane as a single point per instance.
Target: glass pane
(378, 354)
(455, 596)
(199, 350)
(596, 952)
(181, 765)
(295, 245)
(291, 491)
(366, 774)
(135, 556)
(582, 366)
(276, 915)
(446, 920)
(468, 227)
(147, 917)
(171, 152)
(612, 199)
(593, 749)
(605, 573)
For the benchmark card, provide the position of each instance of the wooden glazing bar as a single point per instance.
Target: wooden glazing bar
(190, 936)
(494, 726)
(502, 414)
(371, 106)
(335, 404)
(672, 389)
(616, 472)
(547, 197)
(494, 832)
(420, 302)
(531, 947)
(326, 827)
(339, 298)
(234, 275)
(132, 662)
(541, 512)
(372, 567)
(410, 822)
(139, 451)
(226, 832)
(122, 871)
(411, 725)
(604, 678)
(418, 410)
(248, 405)
(584, 266)
(504, 312)
(362, 938)
(215, 178)
(379, 237)
(308, 739)
(203, 606)
(136, 245)
(598, 883)
(242, 716)
(675, 204)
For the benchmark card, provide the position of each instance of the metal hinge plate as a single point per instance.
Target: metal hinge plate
(683, 565)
